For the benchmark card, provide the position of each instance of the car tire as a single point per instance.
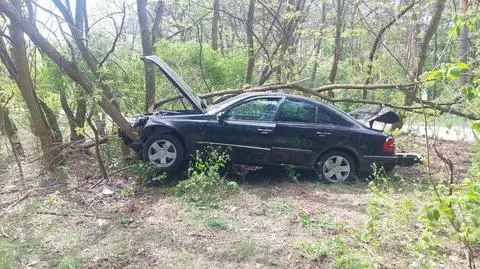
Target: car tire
(335, 167)
(165, 151)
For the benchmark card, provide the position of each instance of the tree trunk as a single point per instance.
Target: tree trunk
(215, 18)
(431, 30)
(147, 50)
(463, 42)
(338, 43)
(68, 67)
(249, 33)
(317, 49)
(51, 153)
(51, 121)
(157, 28)
(7, 126)
(10, 130)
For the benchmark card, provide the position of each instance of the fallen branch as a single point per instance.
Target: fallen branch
(18, 201)
(442, 107)
(72, 214)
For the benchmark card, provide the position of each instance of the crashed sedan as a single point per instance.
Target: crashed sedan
(261, 129)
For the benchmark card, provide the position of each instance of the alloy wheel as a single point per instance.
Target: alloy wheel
(162, 153)
(336, 168)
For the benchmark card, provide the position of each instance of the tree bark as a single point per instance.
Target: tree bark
(51, 153)
(463, 42)
(68, 67)
(249, 34)
(52, 121)
(431, 30)
(337, 42)
(157, 28)
(7, 126)
(317, 48)
(147, 50)
(215, 19)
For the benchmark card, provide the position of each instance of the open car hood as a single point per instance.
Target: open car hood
(177, 81)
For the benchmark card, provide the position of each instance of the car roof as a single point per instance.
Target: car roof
(280, 94)
(304, 98)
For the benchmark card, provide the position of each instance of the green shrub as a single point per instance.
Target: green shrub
(204, 183)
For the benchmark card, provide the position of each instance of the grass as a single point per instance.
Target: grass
(269, 223)
(6, 256)
(245, 250)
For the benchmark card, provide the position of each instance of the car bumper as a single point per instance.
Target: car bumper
(387, 161)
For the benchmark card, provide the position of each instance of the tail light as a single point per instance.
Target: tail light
(389, 145)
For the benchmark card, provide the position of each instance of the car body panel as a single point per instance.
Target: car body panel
(271, 141)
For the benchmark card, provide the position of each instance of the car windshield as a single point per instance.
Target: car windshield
(213, 109)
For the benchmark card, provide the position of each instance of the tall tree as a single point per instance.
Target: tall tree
(157, 22)
(249, 34)
(463, 42)
(215, 20)
(339, 12)
(147, 49)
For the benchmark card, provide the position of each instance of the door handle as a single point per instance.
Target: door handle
(264, 131)
(323, 133)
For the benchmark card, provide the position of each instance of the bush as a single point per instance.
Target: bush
(204, 184)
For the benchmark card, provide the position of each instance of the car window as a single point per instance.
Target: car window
(262, 109)
(297, 111)
(325, 117)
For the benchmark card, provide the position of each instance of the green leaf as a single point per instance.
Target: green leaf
(476, 126)
(433, 214)
(462, 66)
(454, 72)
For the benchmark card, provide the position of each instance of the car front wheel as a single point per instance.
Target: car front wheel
(164, 151)
(335, 167)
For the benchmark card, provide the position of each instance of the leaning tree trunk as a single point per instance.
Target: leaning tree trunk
(431, 30)
(377, 41)
(68, 67)
(51, 153)
(147, 50)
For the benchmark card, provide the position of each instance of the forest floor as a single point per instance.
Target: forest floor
(88, 225)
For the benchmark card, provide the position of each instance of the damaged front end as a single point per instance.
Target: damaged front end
(137, 122)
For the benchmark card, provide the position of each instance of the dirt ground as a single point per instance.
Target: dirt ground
(120, 224)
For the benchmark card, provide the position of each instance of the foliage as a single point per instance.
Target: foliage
(204, 183)
(149, 173)
(290, 173)
(337, 250)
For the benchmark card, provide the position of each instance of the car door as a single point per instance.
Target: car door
(303, 129)
(246, 129)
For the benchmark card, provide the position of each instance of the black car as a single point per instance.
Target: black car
(262, 129)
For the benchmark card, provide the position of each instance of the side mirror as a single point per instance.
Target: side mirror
(221, 117)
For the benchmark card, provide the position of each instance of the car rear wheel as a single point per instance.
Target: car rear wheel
(335, 167)
(164, 151)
